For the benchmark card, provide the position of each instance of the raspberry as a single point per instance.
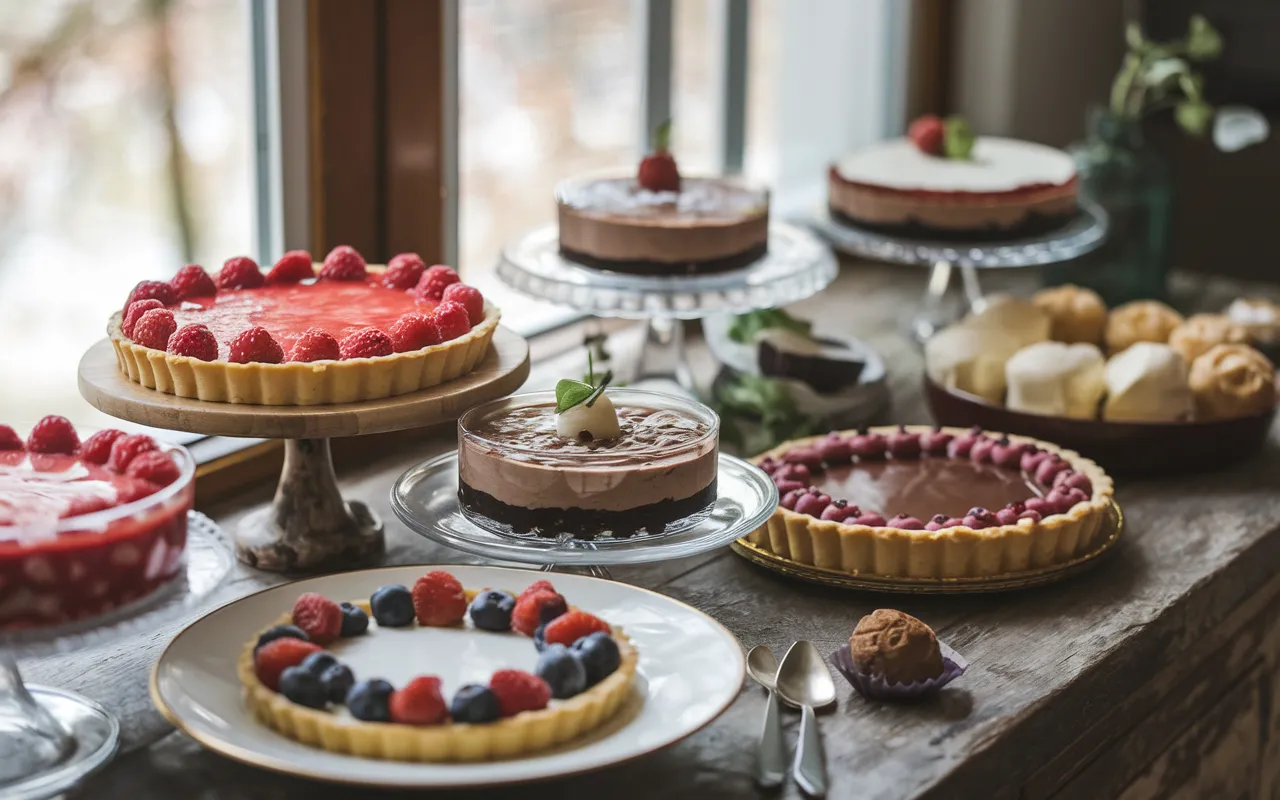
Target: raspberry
(519, 691)
(533, 610)
(469, 298)
(419, 703)
(292, 267)
(126, 449)
(434, 281)
(130, 489)
(343, 264)
(571, 627)
(53, 434)
(135, 311)
(97, 448)
(535, 587)
(192, 281)
(318, 616)
(85, 505)
(451, 320)
(154, 328)
(240, 272)
(154, 466)
(927, 134)
(152, 290)
(9, 439)
(194, 341)
(315, 345)
(366, 343)
(255, 344)
(404, 271)
(413, 331)
(276, 656)
(438, 599)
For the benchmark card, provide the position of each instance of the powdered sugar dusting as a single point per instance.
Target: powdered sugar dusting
(698, 198)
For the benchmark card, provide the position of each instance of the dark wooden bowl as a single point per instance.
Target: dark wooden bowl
(1133, 448)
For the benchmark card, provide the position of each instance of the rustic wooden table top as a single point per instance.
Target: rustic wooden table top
(1055, 673)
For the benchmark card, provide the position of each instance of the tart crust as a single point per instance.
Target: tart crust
(956, 552)
(526, 732)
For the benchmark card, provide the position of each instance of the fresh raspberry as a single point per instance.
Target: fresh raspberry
(535, 587)
(152, 290)
(126, 449)
(519, 691)
(404, 271)
(9, 439)
(571, 627)
(469, 298)
(927, 134)
(318, 616)
(255, 344)
(438, 599)
(276, 656)
(343, 264)
(451, 320)
(53, 434)
(135, 311)
(533, 610)
(315, 345)
(129, 489)
(154, 466)
(419, 703)
(366, 343)
(434, 281)
(292, 267)
(240, 272)
(194, 341)
(154, 328)
(97, 448)
(192, 281)
(658, 171)
(413, 331)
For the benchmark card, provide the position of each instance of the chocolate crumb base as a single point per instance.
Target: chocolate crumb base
(1033, 225)
(644, 267)
(584, 523)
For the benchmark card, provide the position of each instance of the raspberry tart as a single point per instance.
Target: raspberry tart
(87, 526)
(387, 677)
(302, 333)
(919, 502)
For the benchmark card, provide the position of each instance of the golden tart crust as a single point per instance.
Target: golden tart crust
(955, 552)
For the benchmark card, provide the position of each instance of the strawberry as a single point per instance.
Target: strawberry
(135, 310)
(154, 466)
(451, 320)
(419, 703)
(97, 448)
(343, 264)
(519, 691)
(194, 341)
(152, 290)
(927, 134)
(535, 609)
(438, 599)
(366, 343)
(315, 345)
(658, 171)
(318, 616)
(404, 271)
(569, 628)
(292, 267)
(413, 331)
(535, 587)
(154, 328)
(192, 281)
(53, 434)
(276, 656)
(255, 344)
(240, 272)
(9, 439)
(126, 449)
(468, 297)
(434, 281)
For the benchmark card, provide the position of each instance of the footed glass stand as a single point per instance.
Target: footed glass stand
(425, 498)
(1084, 233)
(51, 739)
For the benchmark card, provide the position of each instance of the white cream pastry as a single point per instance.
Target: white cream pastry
(1017, 317)
(970, 359)
(1147, 382)
(599, 420)
(1056, 379)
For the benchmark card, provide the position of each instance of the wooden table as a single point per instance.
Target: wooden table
(1154, 675)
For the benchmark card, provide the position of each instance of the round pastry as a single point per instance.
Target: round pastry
(1200, 332)
(1147, 383)
(1056, 379)
(1232, 380)
(1014, 315)
(971, 355)
(1076, 314)
(895, 646)
(1140, 321)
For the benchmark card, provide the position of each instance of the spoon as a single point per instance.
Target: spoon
(804, 680)
(771, 759)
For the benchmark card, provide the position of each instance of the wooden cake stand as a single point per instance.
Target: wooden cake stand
(308, 527)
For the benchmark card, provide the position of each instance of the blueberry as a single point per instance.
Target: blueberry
(563, 671)
(552, 609)
(474, 703)
(303, 688)
(392, 606)
(317, 663)
(491, 610)
(540, 638)
(338, 680)
(354, 620)
(599, 654)
(281, 632)
(370, 700)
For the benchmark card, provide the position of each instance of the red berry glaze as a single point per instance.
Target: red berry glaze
(135, 311)
(125, 449)
(154, 466)
(469, 298)
(366, 343)
(569, 628)
(192, 281)
(152, 290)
(315, 345)
(240, 272)
(419, 703)
(194, 341)
(53, 434)
(343, 263)
(255, 345)
(518, 691)
(318, 616)
(439, 599)
(154, 328)
(403, 271)
(276, 656)
(927, 134)
(292, 267)
(413, 331)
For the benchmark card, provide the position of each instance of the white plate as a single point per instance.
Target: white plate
(690, 671)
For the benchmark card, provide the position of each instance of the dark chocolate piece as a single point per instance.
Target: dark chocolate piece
(834, 367)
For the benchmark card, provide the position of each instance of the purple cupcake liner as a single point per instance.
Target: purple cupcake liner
(875, 687)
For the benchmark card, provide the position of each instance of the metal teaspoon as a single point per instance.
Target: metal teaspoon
(804, 680)
(771, 758)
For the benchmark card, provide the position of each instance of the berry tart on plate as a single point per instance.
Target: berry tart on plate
(387, 677)
(302, 333)
(87, 525)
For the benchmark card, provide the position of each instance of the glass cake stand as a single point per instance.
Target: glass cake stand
(797, 266)
(1084, 233)
(425, 498)
(51, 739)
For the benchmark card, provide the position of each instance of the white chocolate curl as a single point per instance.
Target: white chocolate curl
(600, 420)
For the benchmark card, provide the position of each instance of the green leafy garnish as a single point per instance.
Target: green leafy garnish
(765, 401)
(570, 393)
(747, 326)
(957, 138)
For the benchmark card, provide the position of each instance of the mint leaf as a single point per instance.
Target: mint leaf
(599, 390)
(1204, 43)
(570, 393)
(957, 138)
(747, 326)
(1194, 116)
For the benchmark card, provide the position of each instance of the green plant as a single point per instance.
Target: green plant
(745, 327)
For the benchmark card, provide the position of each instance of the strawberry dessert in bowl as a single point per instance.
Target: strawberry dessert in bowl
(87, 525)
